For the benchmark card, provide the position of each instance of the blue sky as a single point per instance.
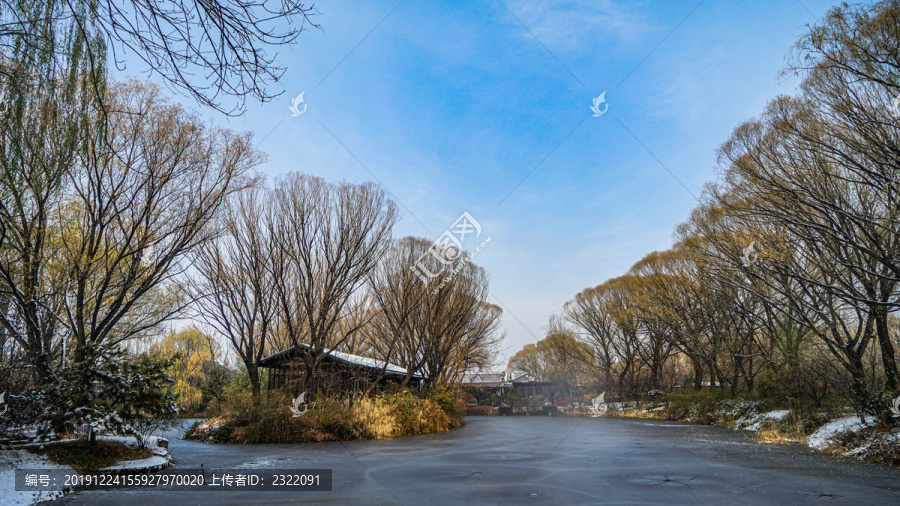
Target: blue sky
(451, 104)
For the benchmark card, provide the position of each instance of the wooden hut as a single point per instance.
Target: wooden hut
(338, 372)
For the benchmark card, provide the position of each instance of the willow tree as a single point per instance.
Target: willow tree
(850, 62)
(48, 87)
(147, 182)
(211, 50)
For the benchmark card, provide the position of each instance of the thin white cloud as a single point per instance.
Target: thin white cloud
(577, 23)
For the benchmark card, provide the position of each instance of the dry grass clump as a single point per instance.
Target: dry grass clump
(780, 435)
(873, 444)
(82, 456)
(375, 415)
(385, 415)
(413, 415)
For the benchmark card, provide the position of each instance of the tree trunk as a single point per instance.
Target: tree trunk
(860, 392)
(887, 349)
(42, 366)
(253, 373)
(698, 373)
(406, 379)
(714, 379)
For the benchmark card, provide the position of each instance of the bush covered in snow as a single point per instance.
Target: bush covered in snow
(123, 396)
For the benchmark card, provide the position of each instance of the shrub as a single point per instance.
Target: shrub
(330, 419)
(376, 416)
(191, 431)
(449, 400)
(221, 434)
(416, 416)
(336, 418)
(86, 457)
(269, 421)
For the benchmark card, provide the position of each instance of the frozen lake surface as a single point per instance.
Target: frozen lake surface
(540, 460)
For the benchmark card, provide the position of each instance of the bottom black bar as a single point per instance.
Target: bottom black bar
(231, 480)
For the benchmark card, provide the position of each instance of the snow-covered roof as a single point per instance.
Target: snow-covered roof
(350, 358)
(522, 378)
(483, 379)
(367, 362)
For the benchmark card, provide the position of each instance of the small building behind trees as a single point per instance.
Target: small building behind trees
(510, 392)
(338, 372)
(484, 388)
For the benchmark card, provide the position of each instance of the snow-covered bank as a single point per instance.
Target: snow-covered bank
(851, 438)
(843, 436)
(160, 459)
(10, 460)
(823, 438)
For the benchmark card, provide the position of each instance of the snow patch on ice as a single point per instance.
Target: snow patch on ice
(258, 464)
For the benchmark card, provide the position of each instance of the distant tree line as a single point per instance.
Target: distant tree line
(784, 281)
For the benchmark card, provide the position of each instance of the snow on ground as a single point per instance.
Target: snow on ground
(820, 439)
(212, 423)
(152, 441)
(778, 414)
(160, 459)
(10, 460)
(755, 422)
(150, 464)
(871, 445)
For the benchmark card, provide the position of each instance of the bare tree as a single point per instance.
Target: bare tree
(329, 237)
(438, 329)
(397, 296)
(463, 328)
(208, 49)
(851, 62)
(529, 360)
(589, 313)
(233, 289)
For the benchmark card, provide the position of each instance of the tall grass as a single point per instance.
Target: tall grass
(385, 415)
